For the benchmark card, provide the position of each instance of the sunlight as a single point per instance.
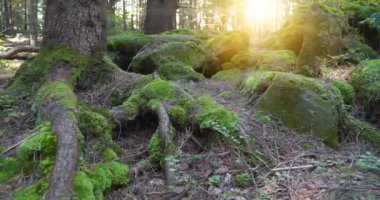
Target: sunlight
(261, 11)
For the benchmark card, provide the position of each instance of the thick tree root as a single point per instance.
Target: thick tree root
(66, 128)
(166, 141)
(11, 53)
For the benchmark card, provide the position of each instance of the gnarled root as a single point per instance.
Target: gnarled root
(11, 53)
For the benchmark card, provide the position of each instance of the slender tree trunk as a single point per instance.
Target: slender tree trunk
(32, 21)
(79, 25)
(124, 16)
(160, 16)
(6, 14)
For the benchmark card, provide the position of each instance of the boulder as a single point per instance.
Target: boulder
(304, 104)
(366, 81)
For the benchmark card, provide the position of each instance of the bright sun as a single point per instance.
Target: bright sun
(261, 11)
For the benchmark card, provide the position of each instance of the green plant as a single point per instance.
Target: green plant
(243, 179)
(214, 180)
(368, 161)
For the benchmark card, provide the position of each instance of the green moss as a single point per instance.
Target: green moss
(185, 53)
(33, 192)
(109, 154)
(226, 45)
(158, 148)
(360, 51)
(9, 167)
(173, 70)
(180, 32)
(232, 75)
(280, 60)
(123, 47)
(243, 179)
(31, 74)
(178, 115)
(91, 184)
(242, 60)
(366, 131)
(154, 148)
(347, 92)
(60, 91)
(213, 116)
(301, 103)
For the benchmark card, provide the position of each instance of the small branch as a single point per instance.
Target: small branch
(18, 144)
(11, 53)
(292, 168)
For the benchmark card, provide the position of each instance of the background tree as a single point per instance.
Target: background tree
(160, 16)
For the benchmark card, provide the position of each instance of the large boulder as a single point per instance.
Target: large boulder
(176, 58)
(366, 81)
(304, 104)
(226, 45)
(311, 32)
(276, 60)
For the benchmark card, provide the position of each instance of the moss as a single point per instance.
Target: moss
(178, 115)
(158, 148)
(91, 184)
(280, 60)
(241, 60)
(44, 145)
(366, 81)
(366, 131)
(173, 70)
(180, 32)
(347, 92)
(109, 154)
(9, 167)
(226, 45)
(94, 124)
(60, 91)
(185, 53)
(123, 47)
(152, 94)
(243, 179)
(359, 51)
(154, 148)
(31, 74)
(33, 192)
(213, 116)
(232, 75)
(301, 103)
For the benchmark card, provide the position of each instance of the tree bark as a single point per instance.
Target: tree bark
(32, 21)
(160, 16)
(78, 25)
(6, 14)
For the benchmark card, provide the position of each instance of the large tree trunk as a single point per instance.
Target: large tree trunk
(80, 26)
(32, 8)
(76, 24)
(160, 16)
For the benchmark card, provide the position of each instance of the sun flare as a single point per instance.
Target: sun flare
(261, 11)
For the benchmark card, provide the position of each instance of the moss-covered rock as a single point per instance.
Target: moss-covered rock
(347, 92)
(366, 81)
(180, 57)
(226, 45)
(123, 47)
(301, 103)
(311, 31)
(241, 60)
(232, 75)
(359, 51)
(366, 131)
(280, 60)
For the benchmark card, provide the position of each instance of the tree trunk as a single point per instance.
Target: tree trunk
(160, 16)
(80, 26)
(77, 24)
(7, 23)
(32, 21)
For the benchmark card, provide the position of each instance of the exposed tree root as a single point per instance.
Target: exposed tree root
(66, 128)
(20, 49)
(166, 142)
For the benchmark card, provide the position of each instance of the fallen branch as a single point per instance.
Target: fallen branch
(18, 144)
(292, 168)
(19, 49)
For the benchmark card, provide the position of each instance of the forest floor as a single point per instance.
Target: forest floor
(291, 166)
